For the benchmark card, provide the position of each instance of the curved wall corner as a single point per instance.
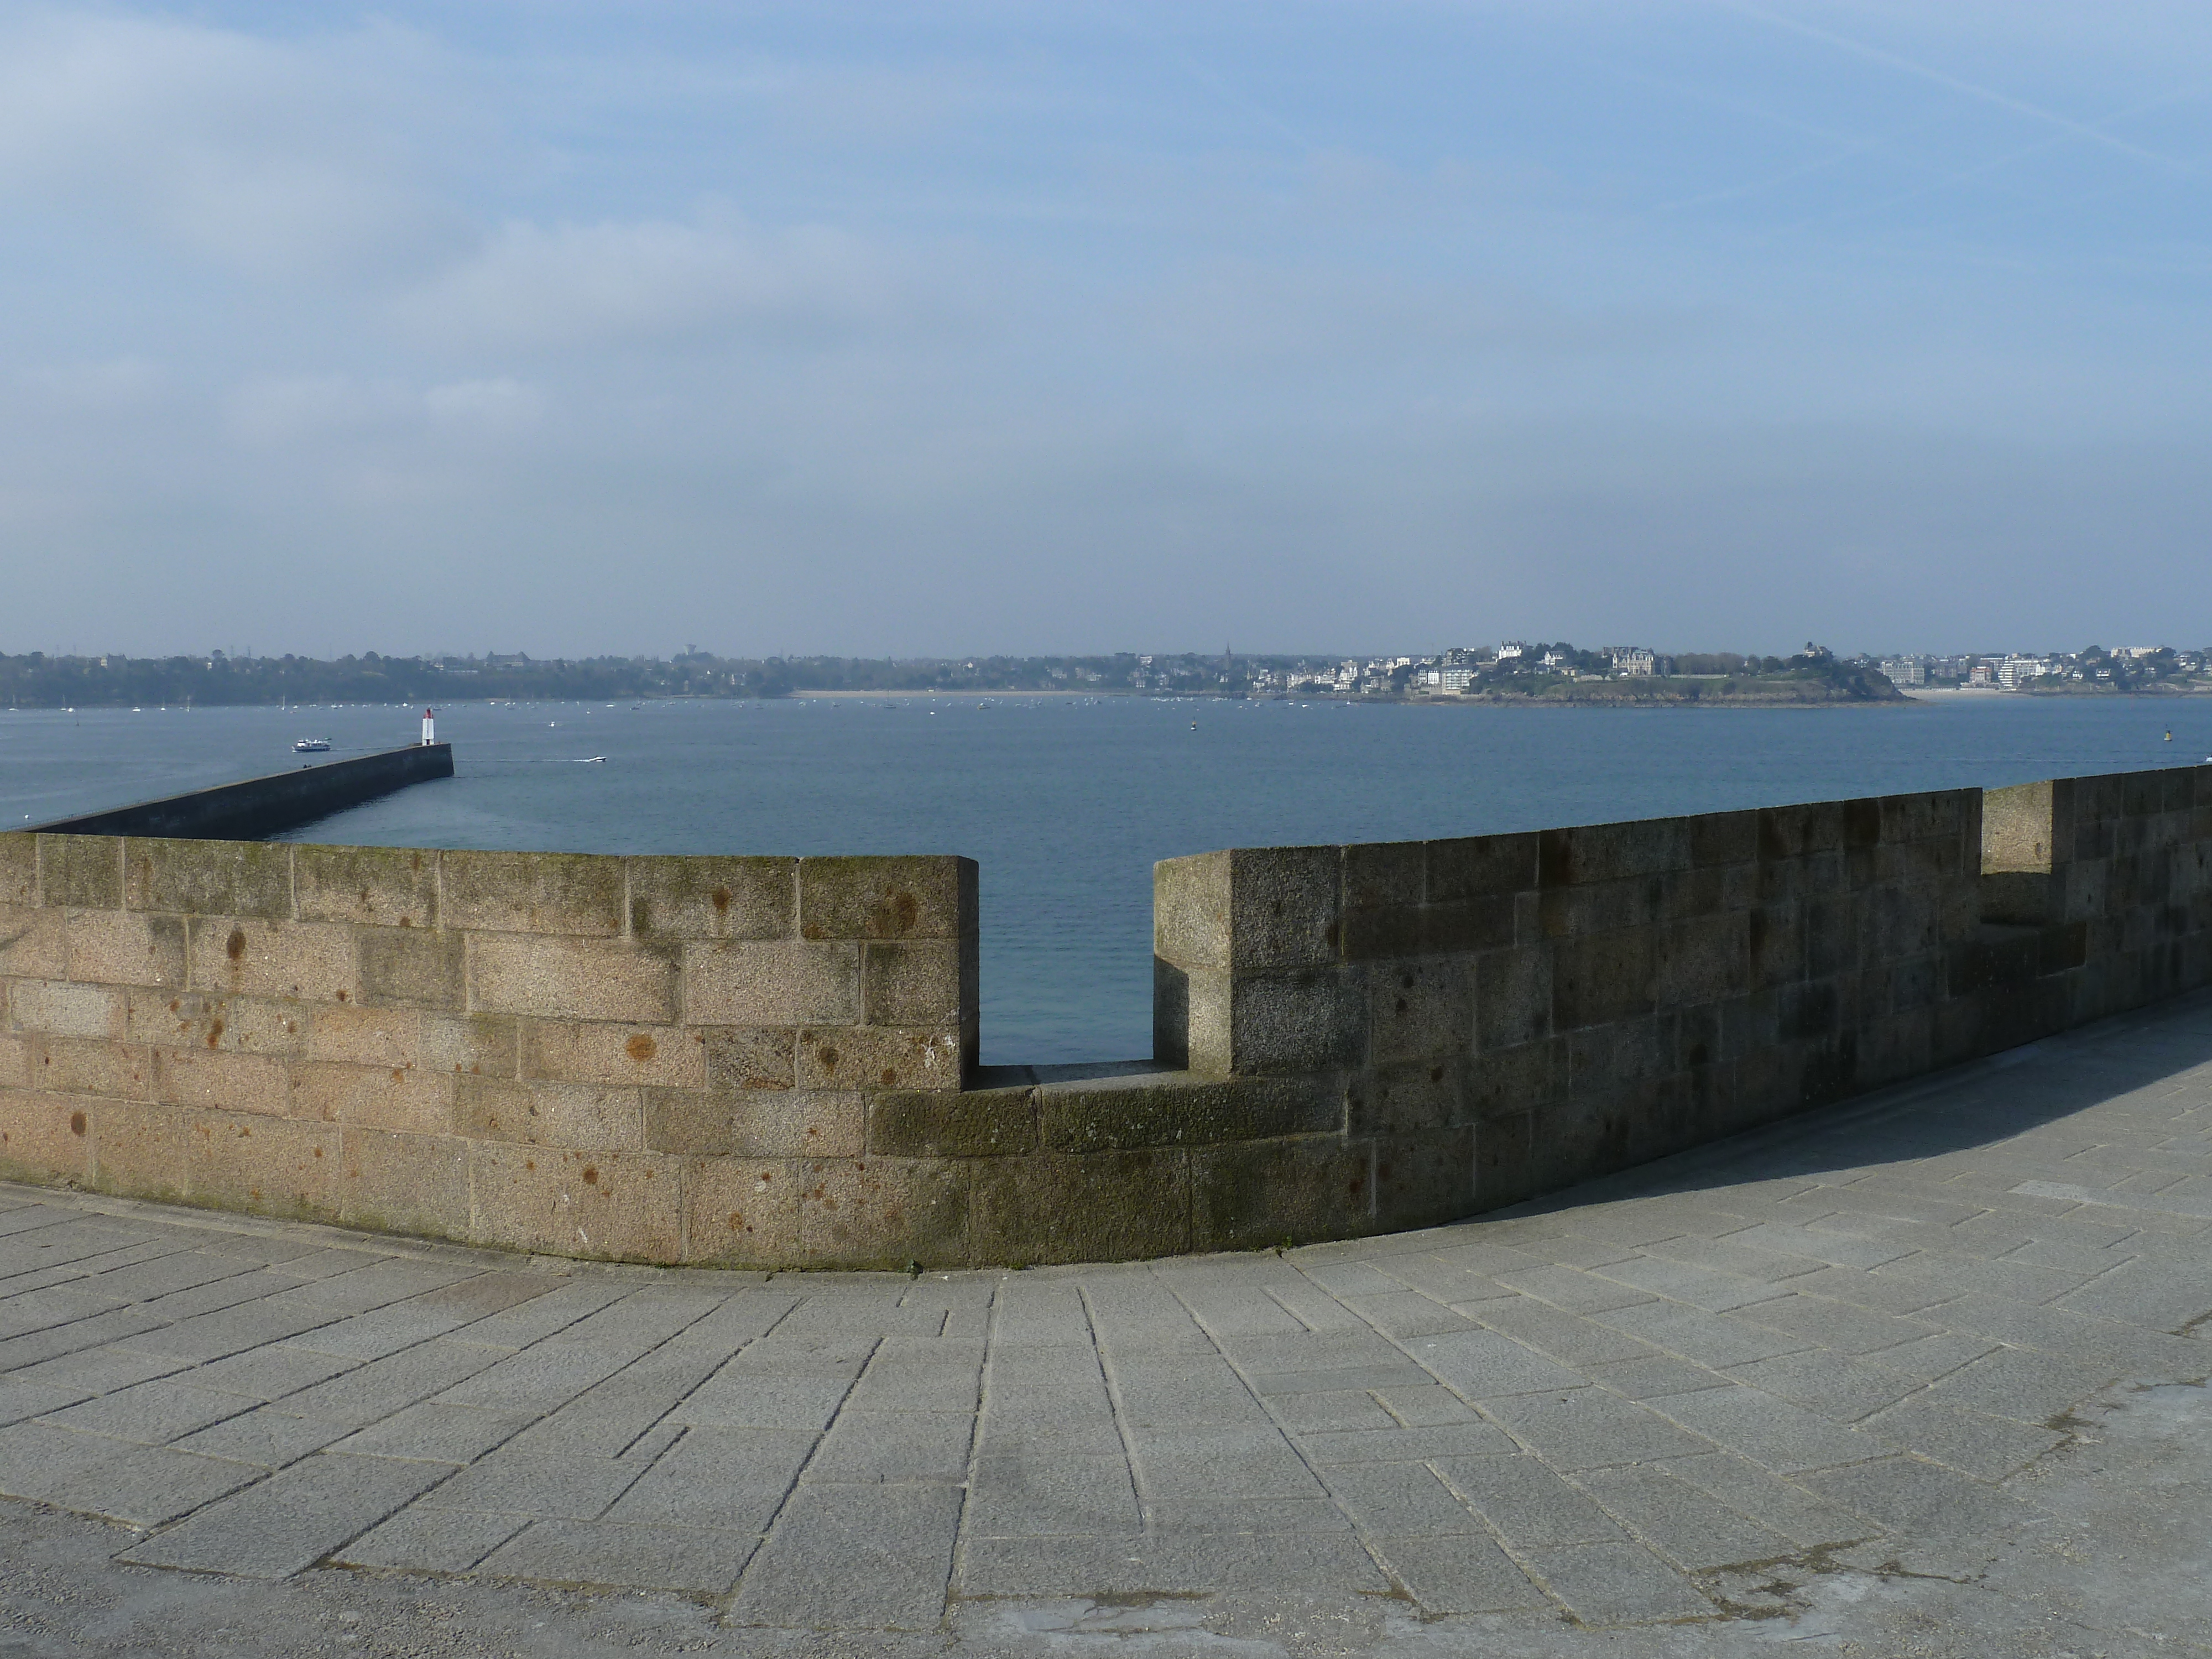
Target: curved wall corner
(772, 1063)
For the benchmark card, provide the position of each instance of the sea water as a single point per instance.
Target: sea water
(1066, 802)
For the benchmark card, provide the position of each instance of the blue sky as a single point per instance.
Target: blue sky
(1009, 327)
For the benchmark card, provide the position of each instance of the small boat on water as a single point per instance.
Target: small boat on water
(311, 746)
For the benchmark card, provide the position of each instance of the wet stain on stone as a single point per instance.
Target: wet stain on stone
(234, 947)
(640, 1048)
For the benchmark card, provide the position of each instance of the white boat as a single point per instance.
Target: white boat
(311, 746)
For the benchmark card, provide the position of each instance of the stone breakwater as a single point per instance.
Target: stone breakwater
(772, 1061)
(259, 807)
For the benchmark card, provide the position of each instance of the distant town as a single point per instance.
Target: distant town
(1512, 672)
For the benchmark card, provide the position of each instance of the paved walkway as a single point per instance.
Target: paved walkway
(1857, 1345)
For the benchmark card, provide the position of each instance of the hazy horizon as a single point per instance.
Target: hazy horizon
(1006, 328)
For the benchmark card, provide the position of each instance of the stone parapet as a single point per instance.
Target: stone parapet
(772, 1061)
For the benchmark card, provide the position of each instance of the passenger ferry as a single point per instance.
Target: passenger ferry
(311, 746)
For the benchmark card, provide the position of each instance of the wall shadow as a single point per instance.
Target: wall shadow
(1977, 1104)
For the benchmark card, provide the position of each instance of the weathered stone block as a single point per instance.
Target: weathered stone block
(18, 868)
(883, 1212)
(208, 877)
(1512, 997)
(1283, 908)
(222, 1082)
(32, 945)
(1586, 1135)
(1381, 934)
(1605, 1058)
(236, 956)
(146, 1152)
(1504, 1082)
(405, 1099)
(743, 1059)
(678, 898)
(1603, 977)
(1832, 935)
(1424, 1179)
(1935, 815)
(374, 886)
(90, 1065)
(410, 967)
(1897, 923)
(1385, 875)
(1297, 1022)
(1119, 1114)
(1190, 911)
(249, 1163)
(1719, 838)
(1613, 851)
(1413, 1094)
(1419, 1011)
(572, 979)
(878, 1057)
(403, 1183)
(1191, 1024)
(550, 1113)
(756, 1123)
(1922, 863)
(1476, 866)
(1502, 1172)
(1895, 1046)
(1704, 959)
(124, 947)
(14, 1063)
(80, 872)
(772, 982)
(618, 1206)
(59, 1008)
(1792, 832)
(43, 1138)
(238, 1161)
(883, 899)
(1602, 907)
(979, 1123)
(917, 984)
(1101, 1206)
(1697, 1035)
(570, 1051)
(740, 1213)
(1251, 1195)
(1455, 926)
(571, 893)
(482, 1045)
(1808, 1012)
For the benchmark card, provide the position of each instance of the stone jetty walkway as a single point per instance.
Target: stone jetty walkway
(1860, 1348)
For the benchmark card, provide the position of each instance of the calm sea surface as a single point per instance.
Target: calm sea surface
(1066, 802)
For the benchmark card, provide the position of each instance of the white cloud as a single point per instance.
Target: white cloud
(496, 408)
(117, 385)
(341, 410)
(267, 157)
(656, 282)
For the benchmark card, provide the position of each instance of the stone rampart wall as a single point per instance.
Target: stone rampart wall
(772, 1061)
(666, 1058)
(1505, 1015)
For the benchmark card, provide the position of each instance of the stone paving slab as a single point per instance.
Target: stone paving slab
(1864, 1334)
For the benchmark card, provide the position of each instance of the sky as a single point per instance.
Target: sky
(1070, 327)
